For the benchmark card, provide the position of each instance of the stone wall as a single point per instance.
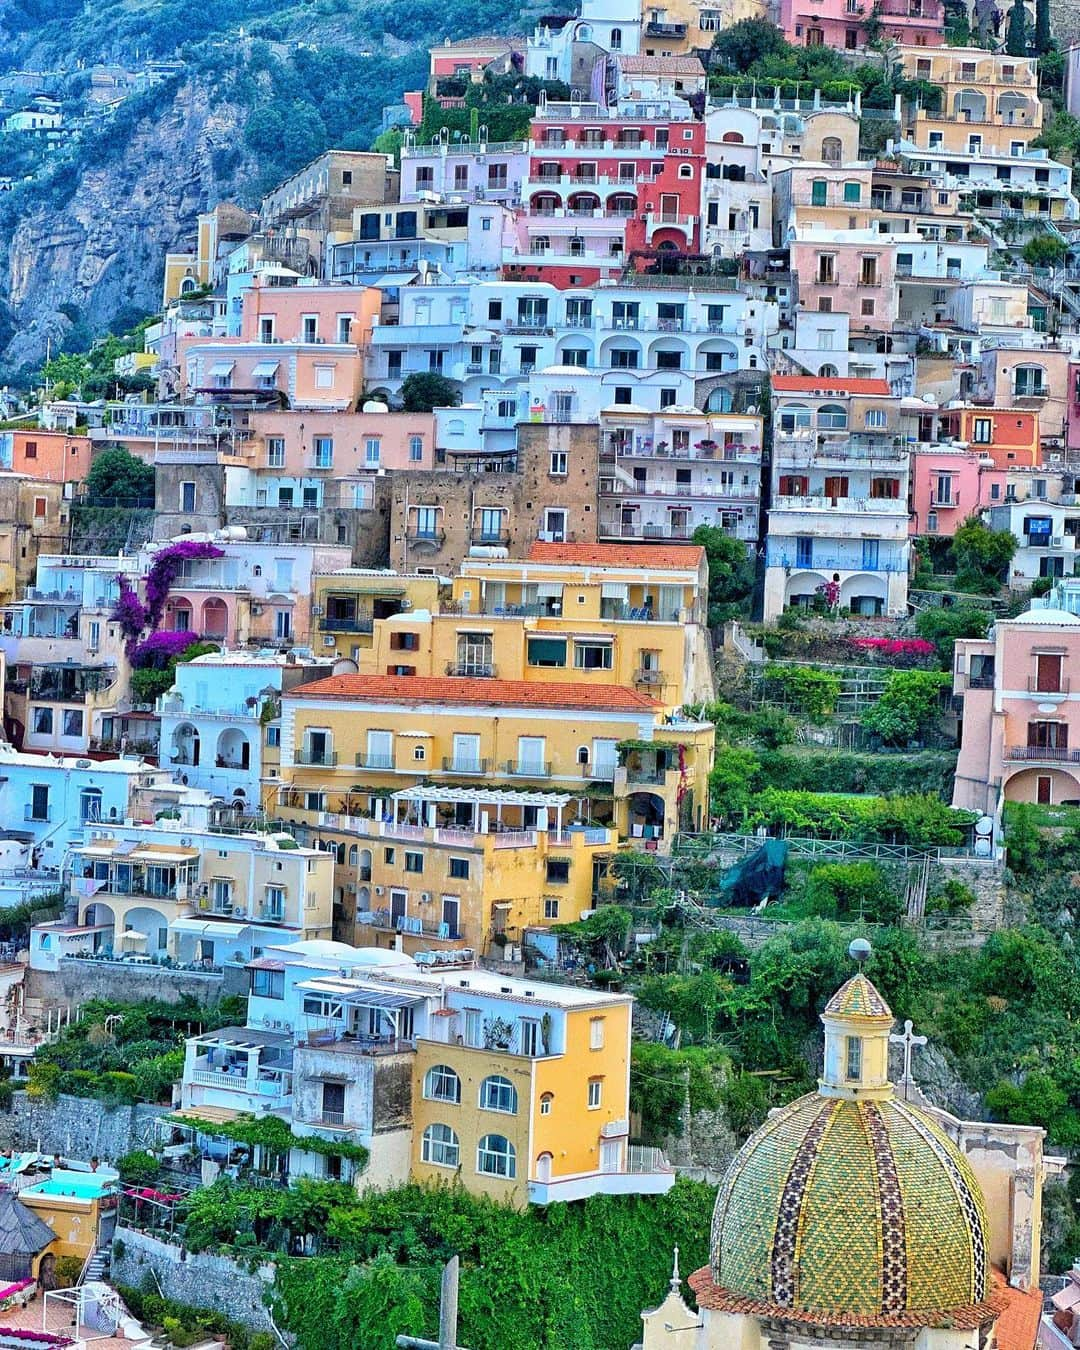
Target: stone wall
(77, 1127)
(77, 981)
(216, 1283)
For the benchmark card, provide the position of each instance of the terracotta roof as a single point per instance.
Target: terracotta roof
(1018, 1322)
(676, 556)
(712, 1296)
(661, 65)
(440, 689)
(482, 40)
(811, 384)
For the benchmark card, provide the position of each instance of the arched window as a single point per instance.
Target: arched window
(547, 1100)
(1029, 382)
(89, 805)
(794, 416)
(616, 39)
(187, 285)
(440, 1146)
(732, 138)
(832, 149)
(686, 171)
(354, 855)
(583, 754)
(495, 1157)
(498, 1094)
(832, 417)
(441, 1084)
(828, 371)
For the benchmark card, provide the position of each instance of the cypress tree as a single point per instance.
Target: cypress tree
(1043, 38)
(1016, 33)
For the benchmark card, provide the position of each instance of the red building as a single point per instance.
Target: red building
(604, 186)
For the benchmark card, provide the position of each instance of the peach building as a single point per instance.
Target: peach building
(52, 456)
(994, 95)
(847, 272)
(284, 444)
(1033, 379)
(841, 23)
(1020, 737)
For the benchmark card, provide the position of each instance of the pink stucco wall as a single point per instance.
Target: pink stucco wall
(972, 478)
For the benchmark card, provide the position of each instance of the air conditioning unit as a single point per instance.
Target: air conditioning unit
(256, 610)
(425, 897)
(329, 640)
(317, 611)
(378, 890)
(185, 842)
(1058, 541)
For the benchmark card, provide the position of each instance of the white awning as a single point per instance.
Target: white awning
(549, 590)
(265, 370)
(222, 368)
(614, 590)
(218, 928)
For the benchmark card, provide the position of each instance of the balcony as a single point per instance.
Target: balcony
(1042, 754)
(653, 678)
(981, 681)
(271, 914)
(311, 758)
(881, 506)
(331, 623)
(470, 768)
(646, 1172)
(378, 763)
(492, 538)
(475, 670)
(432, 538)
(528, 768)
(665, 30)
(599, 773)
(1059, 690)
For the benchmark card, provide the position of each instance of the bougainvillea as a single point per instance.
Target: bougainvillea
(895, 646)
(160, 648)
(135, 616)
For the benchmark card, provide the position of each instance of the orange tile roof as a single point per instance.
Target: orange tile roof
(1018, 1321)
(676, 556)
(502, 693)
(809, 384)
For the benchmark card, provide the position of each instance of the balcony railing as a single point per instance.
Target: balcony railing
(326, 759)
(434, 537)
(982, 681)
(1057, 689)
(469, 767)
(599, 773)
(380, 762)
(329, 1117)
(479, 670)
(528, 768)
(496, 538)
(1054, 753)
(331, 623)
(650, 677)
(665, 30)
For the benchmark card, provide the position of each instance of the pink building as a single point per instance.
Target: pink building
(291, 445)
(948, 483)
(1072, 416)
(1020, 738)
(840, 23)
(847, 272)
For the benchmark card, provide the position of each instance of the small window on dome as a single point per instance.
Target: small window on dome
(854, 1057)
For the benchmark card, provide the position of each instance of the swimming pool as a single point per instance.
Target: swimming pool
(83, 1186)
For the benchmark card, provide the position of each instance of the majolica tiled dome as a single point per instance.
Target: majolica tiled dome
(857, 1207)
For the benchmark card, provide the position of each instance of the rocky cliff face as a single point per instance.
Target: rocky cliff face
(102, 252)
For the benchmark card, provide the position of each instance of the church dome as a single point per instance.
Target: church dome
(850, 1201)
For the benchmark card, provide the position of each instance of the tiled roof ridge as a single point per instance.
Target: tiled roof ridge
(455, 689)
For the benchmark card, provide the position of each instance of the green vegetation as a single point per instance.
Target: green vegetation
(731, 573)
(124, 1052)
(90, 374)
(852, 772)
(804, 689)
(858, 890)
(425, 390)
(275, 1136)
(909, 706)
(119, 478)
(943, 626)
(981, 554)
(1016, 38)
(1044, 250)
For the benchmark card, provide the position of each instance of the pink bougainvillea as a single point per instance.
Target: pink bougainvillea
(895, 646)
(135, 616)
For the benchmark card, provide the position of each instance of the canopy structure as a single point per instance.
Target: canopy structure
(757, 876)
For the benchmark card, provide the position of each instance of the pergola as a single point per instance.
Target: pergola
(420, 806)
(365, 1010)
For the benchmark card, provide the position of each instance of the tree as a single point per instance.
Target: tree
(981, 555)
(909, 705)
(749, 40)
(943, 626)
(1044, 250)
(1016, 41)
(119, 478)
(733, 780)
(425, 390)
(731, 569)
(1043, 36)
(389, 143)
(1061, 133)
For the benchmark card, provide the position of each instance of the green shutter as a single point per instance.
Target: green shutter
(547, 651)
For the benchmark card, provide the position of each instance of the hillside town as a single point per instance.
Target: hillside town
(539, 778)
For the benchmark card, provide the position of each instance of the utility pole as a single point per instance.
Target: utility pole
(448, 1303)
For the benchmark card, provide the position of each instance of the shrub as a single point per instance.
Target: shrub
(811, 692)
(849, 890)
(851, 772)
(908, 706)
(68, 1270)
(138, 1168)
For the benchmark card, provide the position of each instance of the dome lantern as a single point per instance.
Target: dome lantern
(857, 1023)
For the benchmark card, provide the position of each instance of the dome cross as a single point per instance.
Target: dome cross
(910, 1042)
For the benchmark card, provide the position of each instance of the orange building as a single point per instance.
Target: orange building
(1008, 436)
(52, 456)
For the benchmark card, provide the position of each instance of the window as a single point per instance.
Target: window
(440, 1146)
(274, 904)
(596, 1033)
(427, 522)
(275, 452)
(498, 1094)
(73, 722)
(819, 189)
(324, 452)
(388, 856)
(187, 496)
(804, 550)
(593, 656)
(1028, 382)
(372, 452)
(558, 870)
(416, 449)
(852, 192)
(854, 1057)
(558, 464)
(547, 652)
(596, 1093)
(282, 624)
(546, 1101)
(983, 432)
(459, 869)
(30, 450)
(43, 721)
(39, 801)
(876, 419)
(551, 908)
(441, 1084)
(41, 507)
(495, 1157)
(414, 862)
(866, 308)
(268, 983)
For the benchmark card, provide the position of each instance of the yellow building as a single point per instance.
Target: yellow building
(983, 94)
(197, 896)
(632, 616)
(73, 1205)
(521, 1092)
(685, 27)
(349, 742)
(218, 231)
(446, 871)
